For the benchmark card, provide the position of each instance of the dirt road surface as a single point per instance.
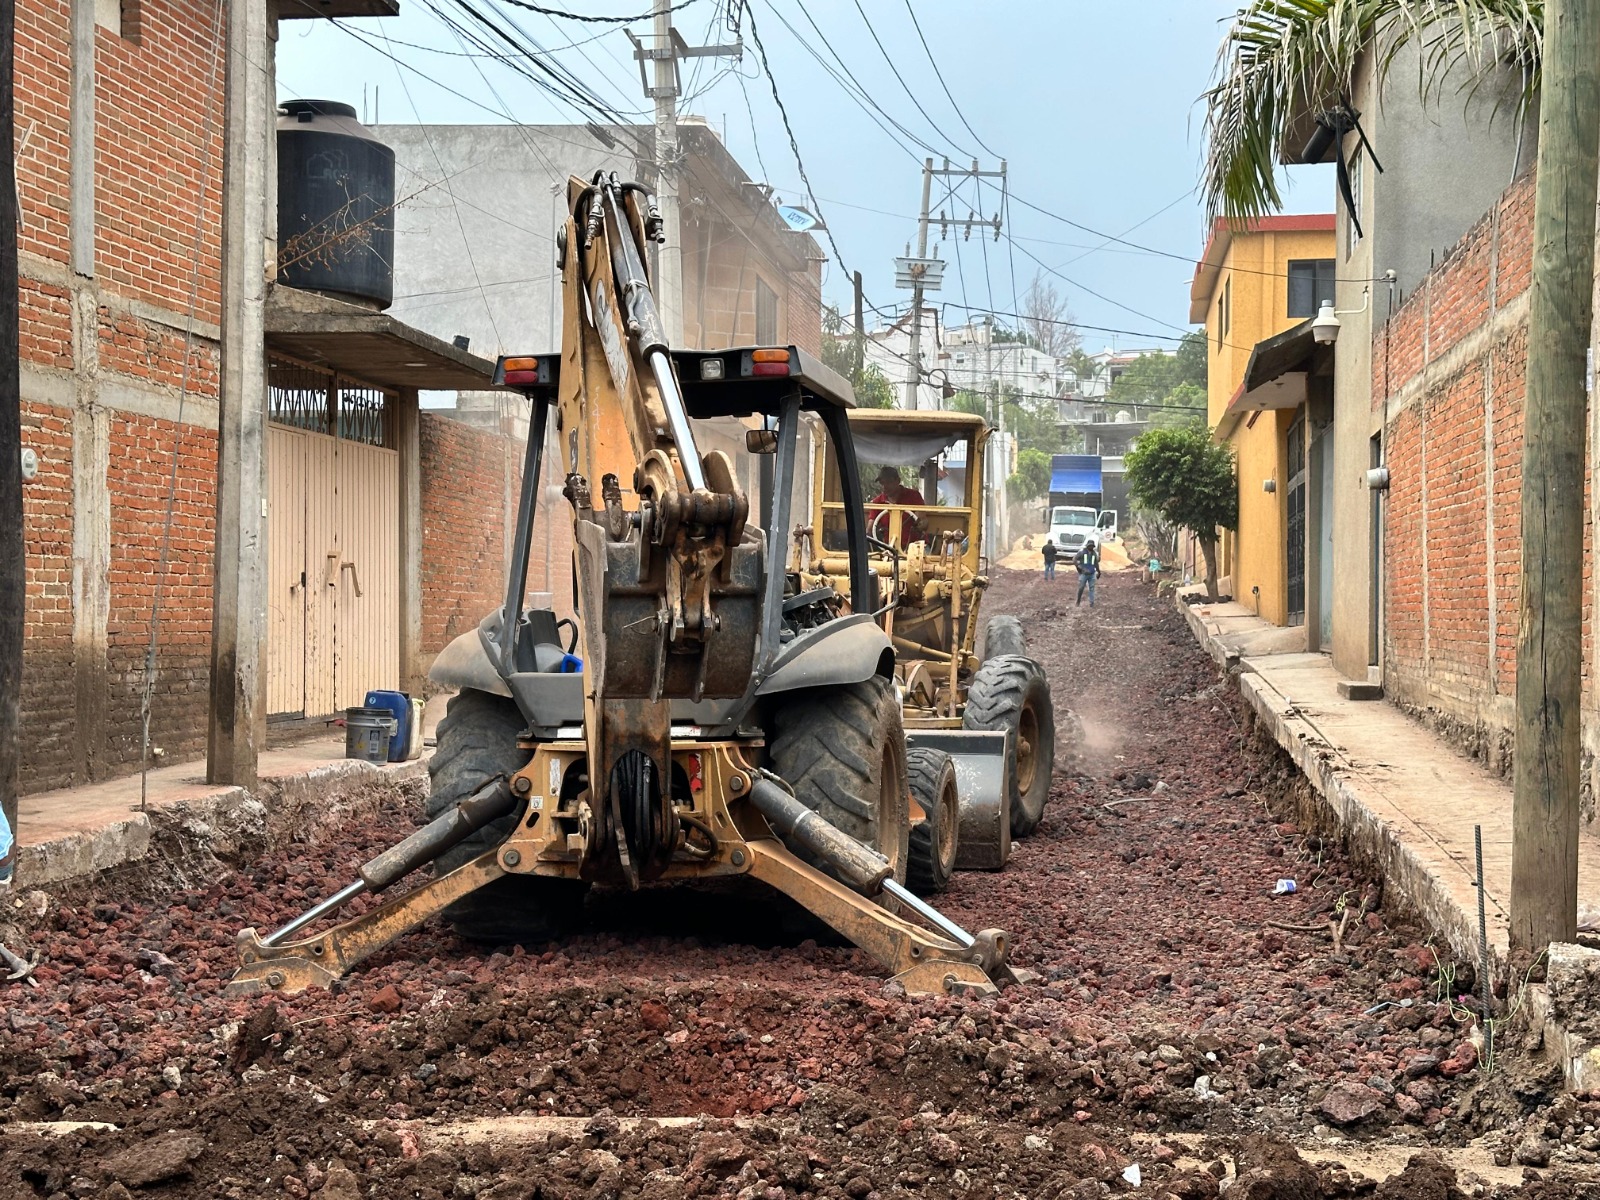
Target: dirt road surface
(1187, 1025)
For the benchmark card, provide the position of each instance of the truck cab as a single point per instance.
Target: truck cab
(1071, 526)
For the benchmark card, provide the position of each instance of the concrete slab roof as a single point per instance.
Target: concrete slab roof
(368, 345)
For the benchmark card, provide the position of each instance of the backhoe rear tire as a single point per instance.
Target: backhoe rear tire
(934, 841)
(1011, 693)
(477, 740)
(843, 751)
(1002, 634)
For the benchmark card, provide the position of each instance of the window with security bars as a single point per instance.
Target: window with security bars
(321, 401)
(1310, 285)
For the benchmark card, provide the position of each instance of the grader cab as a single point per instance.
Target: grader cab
(977, 711)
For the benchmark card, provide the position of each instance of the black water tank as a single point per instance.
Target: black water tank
(335, 204)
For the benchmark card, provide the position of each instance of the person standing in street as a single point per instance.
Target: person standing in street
(1088, 564)
(1049, 560)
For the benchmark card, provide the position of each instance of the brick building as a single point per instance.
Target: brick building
(122, 135)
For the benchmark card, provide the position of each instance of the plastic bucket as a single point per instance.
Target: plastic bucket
(367, 732)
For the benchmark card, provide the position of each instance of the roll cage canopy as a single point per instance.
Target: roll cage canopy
(739, 382)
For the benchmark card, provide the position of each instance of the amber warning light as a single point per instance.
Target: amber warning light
(522, 372)
(768, 362)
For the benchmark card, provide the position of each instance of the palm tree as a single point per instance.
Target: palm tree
(1282, 57)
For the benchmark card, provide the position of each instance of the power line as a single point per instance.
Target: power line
(466, 242)
(934, 63)
(876, 41)
(572, 16)
(794, 146)
(853, 90)
(1049, 270)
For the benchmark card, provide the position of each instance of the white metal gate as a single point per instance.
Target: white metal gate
(333, 554)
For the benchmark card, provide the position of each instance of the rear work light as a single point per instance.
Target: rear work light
(710, 368)
(521, 371)
(769, 362)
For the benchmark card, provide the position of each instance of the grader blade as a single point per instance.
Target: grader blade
(983, 761)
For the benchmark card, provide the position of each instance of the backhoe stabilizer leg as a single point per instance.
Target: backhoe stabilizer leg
(924, 963)
(292, 967)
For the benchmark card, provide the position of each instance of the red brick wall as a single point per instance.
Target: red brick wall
(49, 707)
(137, 476)
(158, 117)
(1448, 363)
(470, 482)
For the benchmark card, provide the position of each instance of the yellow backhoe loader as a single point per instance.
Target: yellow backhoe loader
(706, 717)
(979, 719)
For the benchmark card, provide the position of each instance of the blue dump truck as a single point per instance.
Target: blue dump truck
(1077, 498)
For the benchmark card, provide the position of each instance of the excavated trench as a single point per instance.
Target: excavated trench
(1190, 1034)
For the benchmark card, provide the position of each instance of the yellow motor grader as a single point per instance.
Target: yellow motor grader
(705, 717)
(979, 718)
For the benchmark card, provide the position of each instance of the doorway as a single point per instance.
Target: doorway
(333, 545)
(1295, 548)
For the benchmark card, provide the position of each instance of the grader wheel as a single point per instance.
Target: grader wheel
(934, 841)
(1010, 693)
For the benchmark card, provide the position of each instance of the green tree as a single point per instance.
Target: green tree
(874, 390)
(1031, 479)
(1192, 358)
(1187, 480)
(1284, 57)
(1031, 419)
(839, 351)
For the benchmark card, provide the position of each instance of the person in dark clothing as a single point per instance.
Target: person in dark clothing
(1088, 564)
(1050, 560)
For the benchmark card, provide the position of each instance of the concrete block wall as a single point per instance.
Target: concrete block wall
(111, 179)
(1449, 378)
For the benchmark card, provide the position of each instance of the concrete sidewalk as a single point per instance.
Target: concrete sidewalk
(76, 832)
(1402, 797)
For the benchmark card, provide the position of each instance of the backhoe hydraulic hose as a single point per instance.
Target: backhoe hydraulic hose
(489, 803)
(859, 867)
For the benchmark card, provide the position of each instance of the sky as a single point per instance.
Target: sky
(1094, 111)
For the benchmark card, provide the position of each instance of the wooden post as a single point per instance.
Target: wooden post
(13, 573)
(1544, 848)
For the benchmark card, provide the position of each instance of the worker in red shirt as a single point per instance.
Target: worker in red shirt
(892, 491)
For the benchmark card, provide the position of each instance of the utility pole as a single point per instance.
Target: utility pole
(923, 274)
(13, 567)
(914, 357)
(1544, 842)
(238, 727)
(858, 360)
(665, 88)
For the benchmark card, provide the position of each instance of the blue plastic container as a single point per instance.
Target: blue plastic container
(398, 706)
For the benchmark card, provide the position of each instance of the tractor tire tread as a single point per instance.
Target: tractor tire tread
(1002, 634)
(932, 776)
(828, 748)
(477, 739)
(1001, 688)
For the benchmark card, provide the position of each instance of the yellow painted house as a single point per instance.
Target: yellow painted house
(1255, 289)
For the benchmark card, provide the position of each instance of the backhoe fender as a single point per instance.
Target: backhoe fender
(850, 650)
(467, 663)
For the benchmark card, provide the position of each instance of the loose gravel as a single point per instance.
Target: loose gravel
(1187, 1024)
